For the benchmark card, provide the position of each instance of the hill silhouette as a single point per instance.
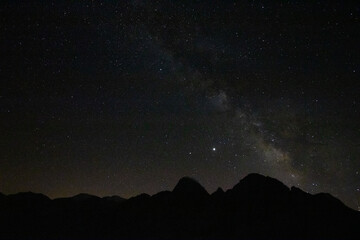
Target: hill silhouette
(258, 207)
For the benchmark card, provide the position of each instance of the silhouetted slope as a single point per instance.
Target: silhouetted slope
(258, 207)
(2, 198)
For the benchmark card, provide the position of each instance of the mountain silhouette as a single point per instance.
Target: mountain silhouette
(114, 198)
(84, 197)
(257, 207)
(28, 196)
(190, 188)
(218, 193)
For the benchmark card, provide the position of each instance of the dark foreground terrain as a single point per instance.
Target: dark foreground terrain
(257, 207)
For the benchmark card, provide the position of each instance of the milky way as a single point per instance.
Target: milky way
(125, 97)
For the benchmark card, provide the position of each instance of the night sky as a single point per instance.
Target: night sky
(125, 97)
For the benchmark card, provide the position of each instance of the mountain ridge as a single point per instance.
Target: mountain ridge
(257, 207)
(186, 184)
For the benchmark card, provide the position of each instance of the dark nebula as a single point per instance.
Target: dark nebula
(124, 97)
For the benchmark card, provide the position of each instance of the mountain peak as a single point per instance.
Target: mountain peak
(254, 177)
(255, 182)
(218, 193)
(84, 196)
(189, 186)
(219, 190)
